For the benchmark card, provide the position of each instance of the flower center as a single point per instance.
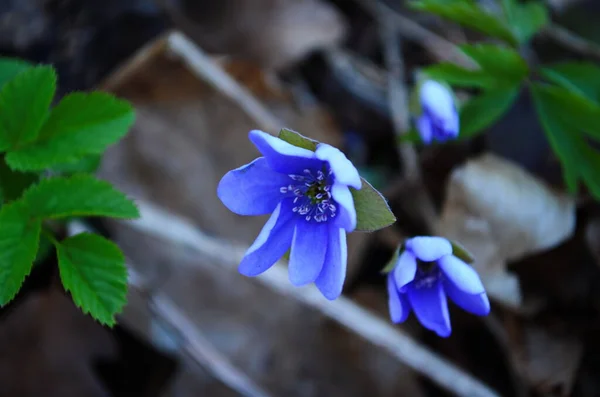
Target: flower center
(312, 195)
(428, 273)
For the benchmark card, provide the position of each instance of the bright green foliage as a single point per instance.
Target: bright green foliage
(580, 77)
(469, 14)
(93, 270)
(461, 77)
(372, 211)
(525, 19)
(80, 195)
(24, 103)
(484, 109)
(19, 236)
(68, 140)
(80, 125)
(566, 125)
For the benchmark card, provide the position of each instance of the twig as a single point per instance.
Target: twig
(172, 228)
(190, 339)
(209, 71)
(572, 41)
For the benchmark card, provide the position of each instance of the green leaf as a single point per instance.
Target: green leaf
(461, 252)
(10, 67)
(14, 183)
(24, 104)
(579, 160)
(19, 236)
(88, 164)
(485, 109)
(504, 63)
(469, 14)
(372, 210)
(526, 19)
(581, 77)
(93, 269)
(298, 140)
(81, 124)
(391, 265)
(79, 195)
(461, 77)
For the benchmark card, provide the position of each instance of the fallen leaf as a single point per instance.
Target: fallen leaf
(501, 213)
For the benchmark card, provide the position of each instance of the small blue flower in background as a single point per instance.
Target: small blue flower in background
(307, 194)
(439, 119)
(426, 274)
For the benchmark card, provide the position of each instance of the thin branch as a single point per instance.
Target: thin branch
(193, 343)
(572, 41)
(205, 68)
(379, 332)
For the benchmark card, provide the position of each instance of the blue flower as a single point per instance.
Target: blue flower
(439, 119)
(307, 194)
(425, 275)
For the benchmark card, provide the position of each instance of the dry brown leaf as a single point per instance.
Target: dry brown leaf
(502, 213)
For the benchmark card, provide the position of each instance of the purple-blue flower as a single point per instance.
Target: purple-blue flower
(307, 194)
(439, 119)
(426, 274)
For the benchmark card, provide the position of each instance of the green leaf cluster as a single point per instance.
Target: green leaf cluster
(47, 154)
(372, 210)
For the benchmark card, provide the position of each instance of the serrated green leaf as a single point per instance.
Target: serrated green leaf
(391, 265)
(92, 269)
(10, 67)
(504, 63)
(579, 160)
(88, 164)
(526, 19)
(79, 195)
(469, 14)
(19, 236)
(24, 104)
(483, 110)
(581, 77)
(14, 183)
(298, 140)
(81, 124)
(459, 251)
(461, 77)
(372, 210)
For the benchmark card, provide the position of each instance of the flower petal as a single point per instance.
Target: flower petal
(405, 269)
(272, 243)
(282, 156)
(429, 249)
(431, 308)
(331, 279)
(478, 304)
(463, 276)
(252, 189)
(343, 169)
(309, 247)
(397, 302)
(346, 213)
(424, 128)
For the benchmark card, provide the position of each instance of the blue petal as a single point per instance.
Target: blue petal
(252, 189)
(405, 269)
(343, 170)
(424, 128)
(272, 243)
(331, 279)
(463, 276)
(309, 247)
(282, 156)
(478, 304)
(429, 249)
(431, 308)
(346, 213)
(397, 302)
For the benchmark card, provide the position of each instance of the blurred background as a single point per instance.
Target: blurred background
(201, 74)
